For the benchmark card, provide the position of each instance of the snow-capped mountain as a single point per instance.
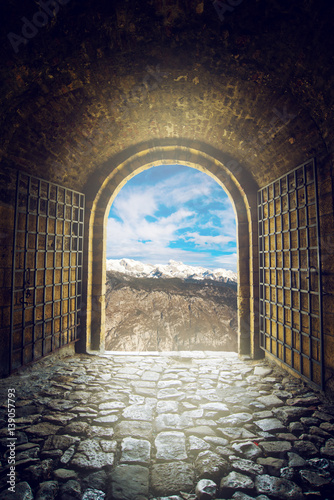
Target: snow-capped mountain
(171, 270)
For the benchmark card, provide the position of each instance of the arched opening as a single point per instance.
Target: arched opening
(171, 281)
(242, 192)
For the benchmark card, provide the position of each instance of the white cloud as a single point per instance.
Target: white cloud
(181, 188)
(178, 217)
(202, 240)
(136, 205)
(228, 261)
(153, 252)
(227, 220)
(133, 237)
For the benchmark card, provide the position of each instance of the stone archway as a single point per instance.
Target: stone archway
(241, 189)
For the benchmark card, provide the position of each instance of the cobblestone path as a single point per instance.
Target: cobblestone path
(133, 427)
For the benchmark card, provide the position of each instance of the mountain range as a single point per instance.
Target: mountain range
(169, 307)
(173, 269)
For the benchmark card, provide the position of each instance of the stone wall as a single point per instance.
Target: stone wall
(103, 77)
(7, 210)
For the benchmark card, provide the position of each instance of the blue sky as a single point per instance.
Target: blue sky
(173, 212)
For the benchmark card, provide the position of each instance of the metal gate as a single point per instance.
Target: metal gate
(47, 269)
(290, 273)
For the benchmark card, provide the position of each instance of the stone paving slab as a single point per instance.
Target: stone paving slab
(136, 426)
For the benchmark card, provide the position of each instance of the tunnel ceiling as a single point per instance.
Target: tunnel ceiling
(99, 77)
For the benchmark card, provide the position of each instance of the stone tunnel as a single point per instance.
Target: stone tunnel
(92, 93)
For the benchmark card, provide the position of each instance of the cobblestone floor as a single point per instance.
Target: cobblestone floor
(133, 427)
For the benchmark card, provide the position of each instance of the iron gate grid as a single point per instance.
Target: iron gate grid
(47, 268)
(290, 272)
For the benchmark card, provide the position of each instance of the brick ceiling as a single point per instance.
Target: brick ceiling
(100, 77)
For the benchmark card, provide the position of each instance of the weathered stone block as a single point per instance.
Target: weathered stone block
(171, 478)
